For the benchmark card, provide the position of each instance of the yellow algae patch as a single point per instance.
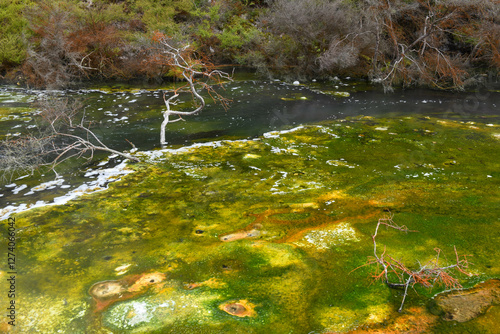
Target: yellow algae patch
(212, 283)
(335, 93)
(383, 202)
(279, 255)
(304, 205)
(126, 230)
(147, 280)
(332, 195)
(44, 314)
(378, 314)
(251, 156)
(338, 319)
(240, 308)
(322, 239)
(449, 123)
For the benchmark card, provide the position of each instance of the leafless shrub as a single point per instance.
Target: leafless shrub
(341, 54)
(433, 43)
(70, 132)
(62, 133)
(196, 70)
(21, 156)
(398, 275)
(51, 61)
(308, 20)
(304, 31)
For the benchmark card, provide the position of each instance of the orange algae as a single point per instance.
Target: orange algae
(240, 308)
(147, 280)
(213, 283)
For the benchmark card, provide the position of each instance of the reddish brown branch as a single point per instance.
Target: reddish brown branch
(397, 275)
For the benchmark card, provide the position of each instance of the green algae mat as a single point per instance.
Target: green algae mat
(265, 236)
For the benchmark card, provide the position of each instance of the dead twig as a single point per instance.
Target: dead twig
(397, 275)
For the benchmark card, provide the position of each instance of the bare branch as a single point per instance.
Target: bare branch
(63, 135)
(427, 275)
(184, 59)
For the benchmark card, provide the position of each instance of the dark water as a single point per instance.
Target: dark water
(123, 114)
(279, 227)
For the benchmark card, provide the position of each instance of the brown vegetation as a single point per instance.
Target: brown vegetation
(423, 42)
(396, 274)
(442, 44)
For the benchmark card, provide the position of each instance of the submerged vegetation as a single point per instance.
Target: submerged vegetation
(442, 44)
(263, 235)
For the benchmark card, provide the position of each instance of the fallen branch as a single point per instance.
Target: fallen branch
(397, 275)
(63, 133)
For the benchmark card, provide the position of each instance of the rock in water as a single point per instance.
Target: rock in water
(467, 304)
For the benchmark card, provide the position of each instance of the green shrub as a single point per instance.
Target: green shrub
(12, 27)
(159, 14)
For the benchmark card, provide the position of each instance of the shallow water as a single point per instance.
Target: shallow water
(124, 113)
(238, 229)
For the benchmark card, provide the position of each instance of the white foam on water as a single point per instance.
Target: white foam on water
(101, 179)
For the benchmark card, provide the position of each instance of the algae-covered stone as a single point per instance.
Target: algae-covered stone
(468, 304)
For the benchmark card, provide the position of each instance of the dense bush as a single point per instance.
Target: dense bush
(441, 44)
(12, 29)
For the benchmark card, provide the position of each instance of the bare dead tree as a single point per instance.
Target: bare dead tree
(193, 70)
(397, 275)
(66, 123)
(20, 156)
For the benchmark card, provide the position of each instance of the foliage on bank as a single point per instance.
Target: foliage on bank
(443, 44)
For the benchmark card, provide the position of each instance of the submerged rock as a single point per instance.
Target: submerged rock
(468, 304)
(108, 292)
(107, 289)
(250, 232)
(155, 313)
(240, 308)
